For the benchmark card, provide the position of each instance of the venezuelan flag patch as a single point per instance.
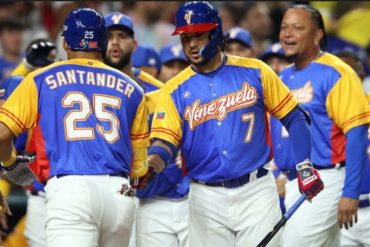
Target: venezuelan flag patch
(160, 115)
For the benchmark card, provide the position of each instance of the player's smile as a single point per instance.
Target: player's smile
(289, 46)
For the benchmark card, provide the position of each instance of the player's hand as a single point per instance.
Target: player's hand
(4, 211)
(309, 181)
(143, 181)
(280, 184)
(156, 162)
(347, 212)
(39, 54)
(19, 173)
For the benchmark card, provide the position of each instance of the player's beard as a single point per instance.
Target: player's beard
(201, 62)
(291, 57)
(122, 62)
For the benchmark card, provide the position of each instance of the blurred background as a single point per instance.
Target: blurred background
(347, 25)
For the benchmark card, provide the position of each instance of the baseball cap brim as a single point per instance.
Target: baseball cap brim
(195, 28)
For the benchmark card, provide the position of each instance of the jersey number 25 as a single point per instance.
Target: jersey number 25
(99, 103)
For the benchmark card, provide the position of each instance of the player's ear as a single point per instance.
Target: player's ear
(319, 34)
(65, 46)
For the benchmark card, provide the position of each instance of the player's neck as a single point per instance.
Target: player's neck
(304, 60)
(83, 54)
(128, 70)
(212, 65)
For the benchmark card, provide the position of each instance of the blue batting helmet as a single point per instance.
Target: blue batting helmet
(119, 20)
(85, 30)
(194, 17)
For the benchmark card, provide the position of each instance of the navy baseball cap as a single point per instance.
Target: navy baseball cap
(119, 20)
(274, 50)
(172, 52)
(146, 56)
(241, 35)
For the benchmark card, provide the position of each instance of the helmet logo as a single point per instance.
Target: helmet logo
(187, 16)
(83, 43)
(116, 18)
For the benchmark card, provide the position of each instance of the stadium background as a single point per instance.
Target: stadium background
(347, 24)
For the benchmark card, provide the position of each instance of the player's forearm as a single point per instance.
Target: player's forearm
(160, 153)
(300, 134)
(139, 164)
(6, 146)
(356, 147)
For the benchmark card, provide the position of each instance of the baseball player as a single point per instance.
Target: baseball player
(359, 234)
(239, 43)
(173, 61)
(39, 53)
(146, 58)
(214, 111)
(162, 216)
(331, 93)
(121, 45)
(93, 123)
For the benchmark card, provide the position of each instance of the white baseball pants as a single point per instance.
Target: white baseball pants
(162, 222)
(34, 231)
(359, 234)
(237, 217)
(315, 224)
(88, 211)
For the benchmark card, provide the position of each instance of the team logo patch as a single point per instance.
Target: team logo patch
(186, 94)
(93, 44)
(304, 94)
(83, 43)
(187, 16)
(161, 115)
(218, 109)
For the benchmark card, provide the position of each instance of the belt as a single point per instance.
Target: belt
(110, 174)
(364, 203)
(337, 166)
(292, 174)
(233, 183)
(37, 192)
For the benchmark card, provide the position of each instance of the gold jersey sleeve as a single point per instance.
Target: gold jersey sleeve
(166, 123)
(21, 70)
(139, 140)
(19, 112)
(150, 79)
(277, 97)
(151, 100)
(346, 103)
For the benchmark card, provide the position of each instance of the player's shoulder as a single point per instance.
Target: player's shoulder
(332, 63)
(246, 62)
(184, 75)
(148, 78)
